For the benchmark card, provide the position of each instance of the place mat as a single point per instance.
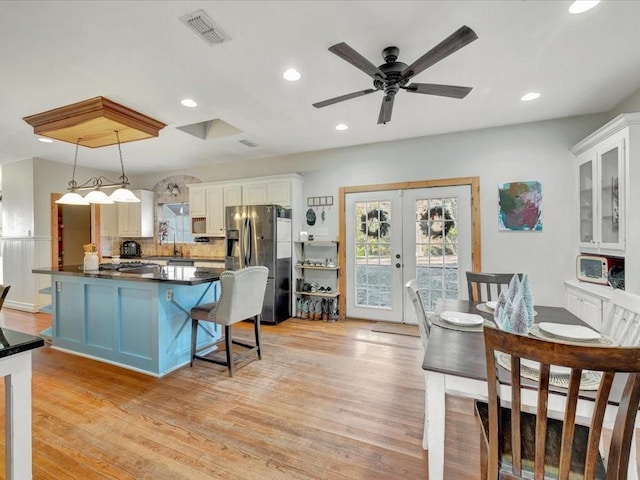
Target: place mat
(535, 331)
(436, 320)
(589, 380)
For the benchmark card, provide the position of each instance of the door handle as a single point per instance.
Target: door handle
(398, 265)
(397, 255)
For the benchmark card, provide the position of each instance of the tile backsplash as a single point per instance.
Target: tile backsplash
(214, 249)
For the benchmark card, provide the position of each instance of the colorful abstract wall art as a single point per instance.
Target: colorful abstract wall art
(520, 206)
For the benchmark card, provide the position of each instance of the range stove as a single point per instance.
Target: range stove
(127, 266)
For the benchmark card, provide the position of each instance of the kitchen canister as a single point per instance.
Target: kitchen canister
(91, 261)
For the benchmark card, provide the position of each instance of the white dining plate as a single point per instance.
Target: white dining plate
(555, 369)
(459, 318)
(492, 305)
(572, 332)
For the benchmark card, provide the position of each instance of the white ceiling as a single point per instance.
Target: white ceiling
(139, 54)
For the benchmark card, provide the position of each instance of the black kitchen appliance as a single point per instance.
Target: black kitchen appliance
(130, 249)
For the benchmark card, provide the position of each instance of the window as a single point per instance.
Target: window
(176, 216)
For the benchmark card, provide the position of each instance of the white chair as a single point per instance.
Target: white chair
(424, 325)
(622, 318)
(241, 298)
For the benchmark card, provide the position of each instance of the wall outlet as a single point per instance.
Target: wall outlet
(322, 232)
(169, 295)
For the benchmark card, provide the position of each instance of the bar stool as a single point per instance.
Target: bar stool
(241, 298)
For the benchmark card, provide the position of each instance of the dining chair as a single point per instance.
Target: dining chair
(4, 290)
(518, 444)
(241, 298)
(492, 283)
(622, 318)
(424, 325)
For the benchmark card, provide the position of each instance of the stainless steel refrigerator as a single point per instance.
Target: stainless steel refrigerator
(261, 235)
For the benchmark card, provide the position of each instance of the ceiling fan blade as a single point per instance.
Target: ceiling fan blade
(386, 108)
(342, 98)
(347, 53)
(454, 42)
(452, 91)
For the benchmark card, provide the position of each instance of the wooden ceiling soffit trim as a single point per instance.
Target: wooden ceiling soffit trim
(94, 122)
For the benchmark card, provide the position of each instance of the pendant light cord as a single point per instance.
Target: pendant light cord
(73, 185)
(123, 177)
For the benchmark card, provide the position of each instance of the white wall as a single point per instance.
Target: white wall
(535, 151)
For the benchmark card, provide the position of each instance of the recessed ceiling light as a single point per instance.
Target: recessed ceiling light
(580, 6)
(529, 96)
(292, 75)
(341, 126)
(45, 140)
(187, 102)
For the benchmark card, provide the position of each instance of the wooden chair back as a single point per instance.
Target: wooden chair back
(4, 290)
(424, 325)
(492, 283)
(622, 318)
(608, 360)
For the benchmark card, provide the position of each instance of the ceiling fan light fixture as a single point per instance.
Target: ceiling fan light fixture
(527, 97)
(581, 6)
(291, 75)
(341, 127)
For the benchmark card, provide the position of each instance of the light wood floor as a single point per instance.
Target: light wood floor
(328, 401)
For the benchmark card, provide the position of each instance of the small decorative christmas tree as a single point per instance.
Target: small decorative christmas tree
(514, 286)
(527, 297)
(504, 316)
(519, 319)
(502, 300)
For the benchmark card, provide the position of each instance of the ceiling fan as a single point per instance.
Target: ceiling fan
(392, 76)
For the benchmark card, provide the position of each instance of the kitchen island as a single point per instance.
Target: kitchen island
(135, 319)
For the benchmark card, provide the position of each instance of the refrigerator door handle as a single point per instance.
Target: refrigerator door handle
(246, 243)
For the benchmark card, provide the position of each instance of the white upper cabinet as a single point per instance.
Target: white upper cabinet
(208, 201)
(136, 219)
(603, 179)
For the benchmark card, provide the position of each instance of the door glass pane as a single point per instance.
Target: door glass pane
(373, 262)
(586, 202)
(609, 201)
(436, 249)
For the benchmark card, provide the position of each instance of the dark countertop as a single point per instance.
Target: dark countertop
(12, 342)
(169, 274)
(170, 257)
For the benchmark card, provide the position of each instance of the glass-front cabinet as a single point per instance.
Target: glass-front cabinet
(601, 196)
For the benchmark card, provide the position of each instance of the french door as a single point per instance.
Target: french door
(393, 236)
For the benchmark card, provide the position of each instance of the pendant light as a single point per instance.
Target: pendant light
(96, 184)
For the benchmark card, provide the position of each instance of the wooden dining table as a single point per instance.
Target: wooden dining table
(454, 364)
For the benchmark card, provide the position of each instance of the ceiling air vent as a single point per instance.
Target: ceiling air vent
(202, 25)
(248, 143)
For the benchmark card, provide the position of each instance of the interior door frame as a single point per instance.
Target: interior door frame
(476, 243)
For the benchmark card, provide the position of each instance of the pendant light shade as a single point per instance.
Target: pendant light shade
(123, 195)
(99, 197)
(72, 198)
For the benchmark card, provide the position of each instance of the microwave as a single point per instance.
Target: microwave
(595, 268)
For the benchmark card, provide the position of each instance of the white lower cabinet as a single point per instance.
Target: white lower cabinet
(587, 302)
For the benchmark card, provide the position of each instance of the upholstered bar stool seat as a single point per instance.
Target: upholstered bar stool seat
(241, 298)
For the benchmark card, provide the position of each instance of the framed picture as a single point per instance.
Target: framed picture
(520, 206)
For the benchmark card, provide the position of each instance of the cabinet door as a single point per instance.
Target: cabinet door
(587, 201)
(197, 202)
(124, 225)
(279, 193)
(232, 195)
(611, 195)
(587, 308)
(254, 194)
(215, 211)
(108, 220)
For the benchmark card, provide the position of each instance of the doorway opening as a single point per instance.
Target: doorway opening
(72, 226)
